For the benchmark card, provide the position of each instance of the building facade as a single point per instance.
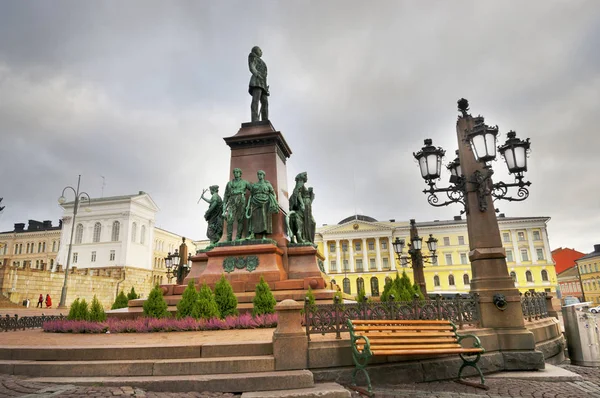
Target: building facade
(564, 258)
(358, 253)
(569, 284)
(33, 247)
(589, 272)
(166, 243)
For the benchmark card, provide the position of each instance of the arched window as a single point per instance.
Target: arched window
(388, 280)
(116, 229)
(133, 232)
(97, 231)
(545, 275)
(360, 285)
(528, 276)
(78, 233)
(143, 235)
(374, 286)
(346, 283)
(466, 279)
(436, 280)
(451, 280)
(513, 275)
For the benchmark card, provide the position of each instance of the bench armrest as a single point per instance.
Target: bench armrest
(360, 358)
(476, 341)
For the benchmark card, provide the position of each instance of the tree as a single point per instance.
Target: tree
(132, 295)
(120, 302)
(156, 306)
(206, 307)
(185, 306)
(225, 298)
(83, 312)
(264, 301)
(404, 288)
(97, 313)
(362, 296)
(388, 289)
(73, 310)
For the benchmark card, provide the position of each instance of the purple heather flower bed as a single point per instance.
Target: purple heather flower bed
(148, 325)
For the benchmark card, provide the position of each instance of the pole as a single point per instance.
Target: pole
(63, 294)
(417, 261)
(580, 284)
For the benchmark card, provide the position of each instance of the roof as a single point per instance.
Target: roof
(109, 198)
(357, 217)
(565, 258)
(590, 255)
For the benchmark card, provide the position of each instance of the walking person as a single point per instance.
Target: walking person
(40, 303)
(48, 301)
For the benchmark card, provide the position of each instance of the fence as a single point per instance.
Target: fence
(534, 305)
(25, 322)
(332, 318)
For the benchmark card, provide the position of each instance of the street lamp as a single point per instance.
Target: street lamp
(417, 259)
(346, 282)
(472, 186)
(173, 263)
(61, 200)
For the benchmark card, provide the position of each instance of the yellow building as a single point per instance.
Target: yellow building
(34, 247)
(166, 242)
(590, 275)
(358, 252)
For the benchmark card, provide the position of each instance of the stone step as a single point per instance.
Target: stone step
(207, 350)
(161, 367)
(235, 383)
(320, 390)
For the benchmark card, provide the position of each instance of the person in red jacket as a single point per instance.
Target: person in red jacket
(48, 301)
(40, 302)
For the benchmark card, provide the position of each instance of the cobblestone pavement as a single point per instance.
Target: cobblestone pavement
(589, 387)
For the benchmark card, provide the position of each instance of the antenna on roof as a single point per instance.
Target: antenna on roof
(103, 185)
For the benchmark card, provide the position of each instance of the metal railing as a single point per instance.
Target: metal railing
(534, 305)
(332, 318)
(26, 322)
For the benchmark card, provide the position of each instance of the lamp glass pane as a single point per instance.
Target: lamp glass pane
(423, 166)
(509, 156)
(520, 157)
(398, 246)
(458, 170)
(432, 245)
(490, 141)
(417, 243)
(432, 165)
(176, 259)
(478, 146)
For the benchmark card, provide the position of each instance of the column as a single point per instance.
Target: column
(392, 259)
(532, 255)
(351, 266)
(546, 245)
(365, 255)
(515, 244)
(338, 256)
(326, 254)
(377, 254)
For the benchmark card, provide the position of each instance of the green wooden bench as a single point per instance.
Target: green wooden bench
(423, 337)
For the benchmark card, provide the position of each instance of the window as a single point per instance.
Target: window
(54, 246)
(371, 246)
(528, 276)
(346, 266)
(509, 256)
(466, 280)
(332, 247)
(436, 280)
(388, 280)
(451, 280)
(595, 265)
(346, 284)
(446, 241)
(536, 235)
(372, 264)
(357, 246)
(374, 287)
(78, 233)
(75, 255)
(359, 265)
(112, 256)
(360, 284)
(448, 259)
(545, 275)
(97, 231)
(43, 247)
(461, 240)
(506, 237)
(116, 229)
(513, 275)
(547, 290)
(133, 232)
(386, 263)
(39, 247)
(143, 235)
(540, 254)
(344, 247)
(332, 266)
(524, 255)
(384, 245)
(463, 258)
(93, 257)
(521, 235)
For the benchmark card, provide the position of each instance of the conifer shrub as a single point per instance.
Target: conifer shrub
(417, 291)
(339, 298)
(156, 306)
(362, 296)
(185, 306)
(312, 306)
(132, 295)
(120, 302)
(404, 288)
(83, 312)
(225, 298)
(97, 313)
(206, 307)
(73, 310)
(388, 289)
(264, 301)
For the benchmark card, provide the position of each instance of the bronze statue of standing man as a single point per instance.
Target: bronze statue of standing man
(234, 208)
(258, 88)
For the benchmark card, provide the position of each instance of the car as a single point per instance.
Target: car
(569, 300)
(595, 310)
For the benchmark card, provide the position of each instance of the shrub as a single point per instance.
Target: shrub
(311, 300)
(362, 296)
(339, 299)
(225, 298)
(206, 307)
(417, 291)
(132, 295)
(388, 289)
(83, 312)
(73, 310)
(185, 306)
(264, 301)
(404, 288)
(120, 302)
(97, 313)
(156, 306)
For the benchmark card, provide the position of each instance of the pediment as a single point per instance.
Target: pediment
(356, 226)
(146, 201)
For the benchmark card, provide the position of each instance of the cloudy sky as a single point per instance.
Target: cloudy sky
(143, 92)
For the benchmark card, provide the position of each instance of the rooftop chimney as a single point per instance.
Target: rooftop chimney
(392, 220)
(19, 227)
(501, 215)
(597, 248)
(47, 224)
(457, 218)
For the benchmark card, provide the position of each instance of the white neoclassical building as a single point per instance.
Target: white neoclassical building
(111, 231)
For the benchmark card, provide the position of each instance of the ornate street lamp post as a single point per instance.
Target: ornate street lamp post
(173, 263)
(417, 259)
(78, 197)
(471, 185)
(346, 282)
